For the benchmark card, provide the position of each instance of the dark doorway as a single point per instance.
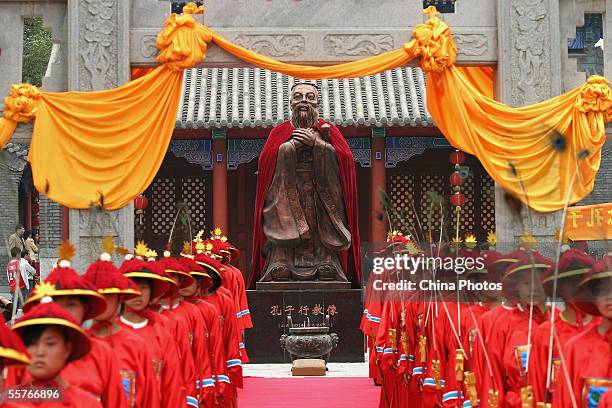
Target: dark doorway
(177, 183)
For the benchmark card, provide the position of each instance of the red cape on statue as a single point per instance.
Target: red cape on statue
(351, 258)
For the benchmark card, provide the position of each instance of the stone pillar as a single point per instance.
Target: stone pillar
(11, 43)
(219, 198)
(608, 40)
(9, 207)
(379, 182)
(529, 71)
(98, 58)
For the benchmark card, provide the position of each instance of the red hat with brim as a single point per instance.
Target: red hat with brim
(488, 267)
(65, 281)
(106, 278)
(213, 267)
(573, 263)
(51, 314)
(586, 290)
(12, 350)
(196, 271)
(527, 262)
(137, 268)
(173, 267)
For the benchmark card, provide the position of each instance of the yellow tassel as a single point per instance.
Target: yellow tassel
(435, 367)
(527, 397)
(470, 385)
(422, 348)
(404, 342)
(493, 399)
(459, 360)
(392, 338)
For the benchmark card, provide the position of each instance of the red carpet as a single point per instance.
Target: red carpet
(309, 392)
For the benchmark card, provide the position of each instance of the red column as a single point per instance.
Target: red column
(219, 198)
(379, 182)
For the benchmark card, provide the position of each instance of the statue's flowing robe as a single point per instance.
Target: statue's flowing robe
(336, 231)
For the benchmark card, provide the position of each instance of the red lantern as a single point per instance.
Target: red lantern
(456, 179)
(35, 222)
(141, 202)
(457, 157)
(457, 200)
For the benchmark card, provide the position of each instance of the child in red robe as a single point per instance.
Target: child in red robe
(138, 319)
(79, 298)
(587, 355)
(573, 265)
(53, 338)
(190, 315)
(134, 363)
(226, 312)
(509, 341)
(216, 344)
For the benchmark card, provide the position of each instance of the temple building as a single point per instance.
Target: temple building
(223, 122)
(227, 108)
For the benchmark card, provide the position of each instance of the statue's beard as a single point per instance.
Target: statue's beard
(304, 119)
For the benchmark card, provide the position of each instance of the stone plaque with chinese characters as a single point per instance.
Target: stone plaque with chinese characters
(269, 311)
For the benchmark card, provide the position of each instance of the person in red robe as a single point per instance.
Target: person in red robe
(177, 327)
(79, 298)
(508, 344)
(138, 319)
(222, 248)
(588, 355)
(12, 350)
(189, 313)
(134, 362)
(573, 265)
(216, 343)
(351, 258)
(225, 308)
(53, 338)
(479, 335)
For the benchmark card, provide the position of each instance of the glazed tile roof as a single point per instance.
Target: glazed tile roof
(255, 97)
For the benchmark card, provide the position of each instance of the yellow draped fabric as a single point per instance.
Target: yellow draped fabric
(432, 42)
(105, 147)
(109, 144)
(534, 151)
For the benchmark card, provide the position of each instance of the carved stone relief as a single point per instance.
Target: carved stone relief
(98, 45)
(357, 44)
(148, 49)
(530, 52)
(98, 223)
(471, 44)
(280, 45)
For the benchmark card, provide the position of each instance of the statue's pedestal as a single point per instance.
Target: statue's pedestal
(303, 285)
(307, 304)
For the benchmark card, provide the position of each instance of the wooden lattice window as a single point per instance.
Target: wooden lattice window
(162, 205)
(487, 203)
(402, 196)
(177, 184)
(195, 195)
(435, 183)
